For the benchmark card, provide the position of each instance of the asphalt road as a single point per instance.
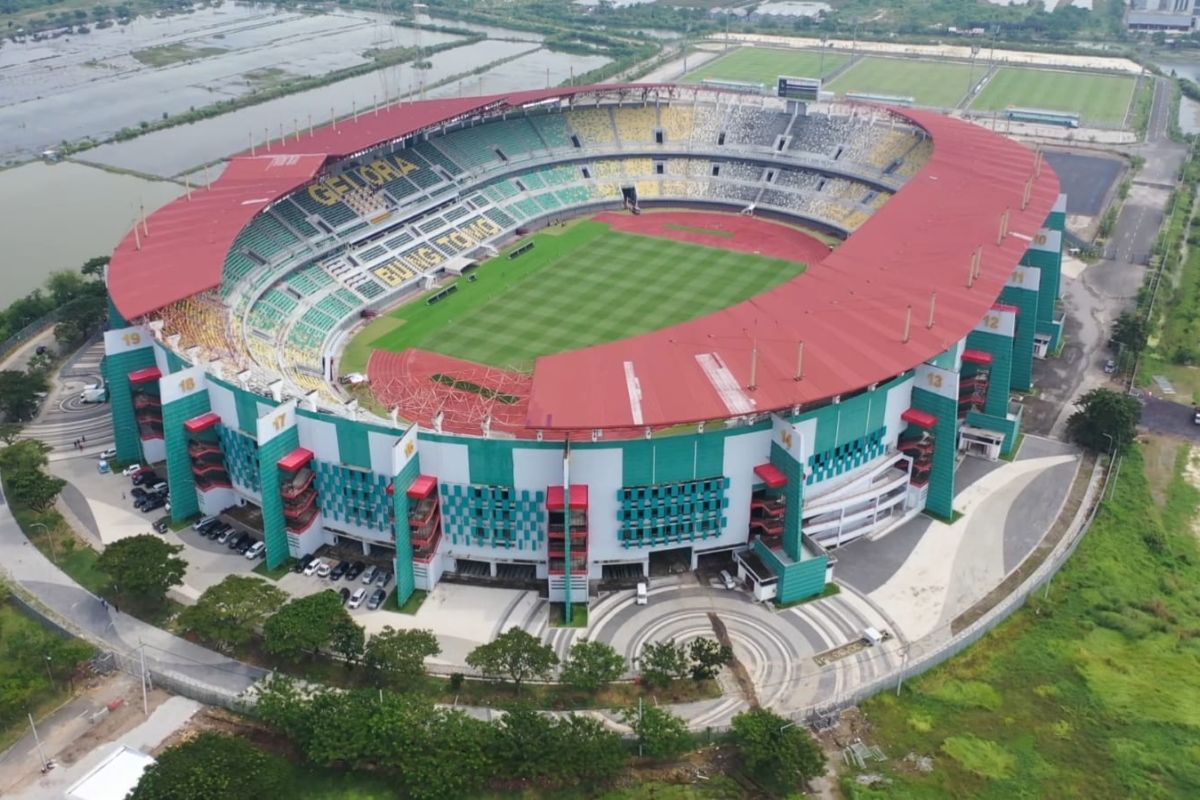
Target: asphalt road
(1085, 178)
(1171, 418)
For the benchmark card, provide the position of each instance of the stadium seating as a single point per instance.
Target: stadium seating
(677, 123)
(594, 126)
(636, 125)
(553, 129)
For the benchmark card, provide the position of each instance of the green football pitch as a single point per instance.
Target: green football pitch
(1100, 99)
(938, 84)
(582, 285)
(764, 65)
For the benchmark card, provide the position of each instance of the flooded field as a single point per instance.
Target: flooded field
(95, 84)
(178, 150)
(58, 216)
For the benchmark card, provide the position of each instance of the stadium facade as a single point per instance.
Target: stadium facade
(834, 406)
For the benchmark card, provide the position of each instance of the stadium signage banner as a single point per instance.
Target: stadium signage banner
(181, 384)
(1027, 278)
(788, 436)
(942, 382)
(405, 450)
(1000, 321)
(124, 340)
(276, 421)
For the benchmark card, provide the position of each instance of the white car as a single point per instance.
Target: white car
(323, 570)
(369, 575)
(727, 580)
(357, 598)
(107, 455)
(257, 550)
(313, 566)
(131, 469)
(643, 594)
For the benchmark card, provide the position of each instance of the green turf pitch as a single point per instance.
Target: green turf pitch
(938, 84)
(765, 65)
(1100, 99)
(587, 285)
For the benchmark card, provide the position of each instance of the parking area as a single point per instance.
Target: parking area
(363, 583)
(103, 503)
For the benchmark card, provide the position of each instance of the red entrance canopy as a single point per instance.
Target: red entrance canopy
(422, 487)
(295, 459)
(202, 422)
(556, 497)
(922, 419)
(977, 357)
(772, 475)
(144, 375)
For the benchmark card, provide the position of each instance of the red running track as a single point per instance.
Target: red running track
(749, 234)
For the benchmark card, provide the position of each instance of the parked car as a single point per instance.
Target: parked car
(355, 570)
(383, 577)
(137, 493)
(377, 598)
(302, 564)
(246, 543)
(257, 550)
(643, 594)
(216, 530)
(153, 503)
(161, 526)
(202, 523)
(161, 486)
(369, 576)
(727, 580)
(324, 570)
(131, 470)
(107, 455)
(312, 566)
(224, 535)
(236, 540)
(1110, 367)
(358, 597)
(338, 571)
(344, 594)
(144, 476)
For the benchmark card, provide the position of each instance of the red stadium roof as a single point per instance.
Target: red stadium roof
(849, 311)
(182, 248)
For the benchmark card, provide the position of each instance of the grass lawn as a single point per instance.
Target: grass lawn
(14, 628)
(583, 286)
(277, 573)
(1087, 692)
(1101, 99)
(173, 54)
(930, 83)
(764, 65)
(415, 600)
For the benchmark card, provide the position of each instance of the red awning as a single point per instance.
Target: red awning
(295, 459)
(772, 475)
(1005, 307)
(556, 497)
(422, 487)
(922, 419)
(202, 422)
(144, 375)
(977, 357)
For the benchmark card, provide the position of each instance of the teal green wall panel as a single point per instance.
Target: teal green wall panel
(246, 404)
(490, 462)
(945, 450)
(1026, 302)
(274, 528)
(793, 495)
(1000, 370)
(405, 583)
(797, 580)
(115, 320)
(180, 479)
(1008, 427)
(116, 375)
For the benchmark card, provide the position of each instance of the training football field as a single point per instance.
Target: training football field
(580, 285)
(1099, 99)
(764, 65)
(939, 84)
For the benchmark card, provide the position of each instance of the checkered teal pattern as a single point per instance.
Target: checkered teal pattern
(493, 516)
(353, 495)
(845, 457)
(241, 458)
(672, 513)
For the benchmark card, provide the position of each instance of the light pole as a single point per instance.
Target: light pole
(49, 674)
(50, 536)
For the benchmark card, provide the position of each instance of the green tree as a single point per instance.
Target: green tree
(24, 456)
(19, 394)
(591, 754)
(663, 662)
(398, 657)
(515, 655)
(41, 363)
(94, 267)
(1105, 420)
(143, 567)
(9, 431)
(592, 666)
(305, 625)
(34, 488)
(64, 286)
(776, 753)
(347, 640)
(660, 734)
(527, 743)
(227, 613)
(707, 658)
(1130, 331)
(212, 766)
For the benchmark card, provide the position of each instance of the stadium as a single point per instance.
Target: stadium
(562, 337)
